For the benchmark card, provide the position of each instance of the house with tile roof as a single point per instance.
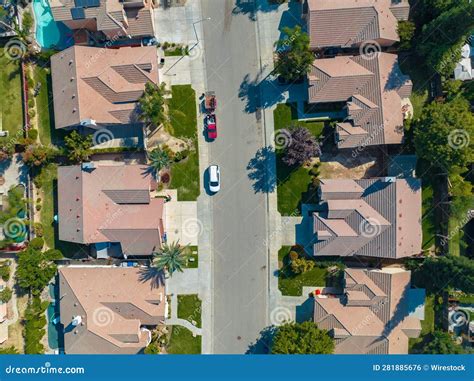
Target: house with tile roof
(95, 88)
(375, 93)
(377, 313)
(379, 217)
(114, 19)
(109, 310)
(110, 208)
(350, 23)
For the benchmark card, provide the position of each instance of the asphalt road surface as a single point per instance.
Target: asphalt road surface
(239, 213)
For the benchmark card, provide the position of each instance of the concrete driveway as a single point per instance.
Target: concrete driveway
(181, 221)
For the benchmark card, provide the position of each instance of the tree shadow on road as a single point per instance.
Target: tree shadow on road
(258, 93)
(262, 170)
(263, 344)
(251, 7)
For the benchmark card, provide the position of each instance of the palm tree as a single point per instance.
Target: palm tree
(152, 104)
(170, 257)
(159, 159)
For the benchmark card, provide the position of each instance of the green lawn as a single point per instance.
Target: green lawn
(185, 174)
(285, 116)
(47, 179)
(182, 342)
(293, 184)
(189, 308)
(427, 326)
(176, 52)
(192, 264)
(292, 285)
(11, 110)
(44, 104)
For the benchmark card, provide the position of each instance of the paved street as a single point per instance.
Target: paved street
(238, 213)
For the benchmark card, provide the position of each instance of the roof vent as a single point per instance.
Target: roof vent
(71, 62)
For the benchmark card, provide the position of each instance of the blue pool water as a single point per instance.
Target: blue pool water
(54, 330)
(49, 33)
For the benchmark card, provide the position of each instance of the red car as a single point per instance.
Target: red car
(211, 126)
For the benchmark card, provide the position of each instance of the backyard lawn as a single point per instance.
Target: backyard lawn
(292, 285)
(427, 326)
(44, 105)
(11, 114)
(189, 308)
(293, 184)
(182, 342)
(185, 174)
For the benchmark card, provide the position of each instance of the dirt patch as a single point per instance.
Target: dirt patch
(346, 166)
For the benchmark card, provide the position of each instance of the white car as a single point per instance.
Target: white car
(214, 179)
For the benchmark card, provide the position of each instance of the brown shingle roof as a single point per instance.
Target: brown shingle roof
(111, 305)
(348, 23)
(109, 204)
(373, 316)
(100, 84)
(373, 89)
(382, 221)
(112, 17)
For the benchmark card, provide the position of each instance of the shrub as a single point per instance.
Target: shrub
(31, 113)
(293, 255)
(32, 134)
(181, 155)
(31, 102)
(301, 265)
(38, 229)
(166, 45)
(5, 272)
(29, 81)
(38, 207)
(37, 243)
(165, 178)
(6, 295)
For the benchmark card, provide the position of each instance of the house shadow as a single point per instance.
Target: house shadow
(262, 170)
(153, 275)
(305, 311)
(251, 7)
(291, 18)
(304, 234)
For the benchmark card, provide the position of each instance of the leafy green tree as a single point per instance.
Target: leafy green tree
(27, 23)
(78, 147)
(34, 322)
(4, 272)
(443, 50)
(170, 257)
(444, 134)
(35, 268)
(406, 31)
(153, 104)
(437, 274)
(301, 338)
(6, 295)
(294, 55)
(442, 343)
(159, 159)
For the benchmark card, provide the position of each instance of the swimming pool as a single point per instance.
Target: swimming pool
(49, 33)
